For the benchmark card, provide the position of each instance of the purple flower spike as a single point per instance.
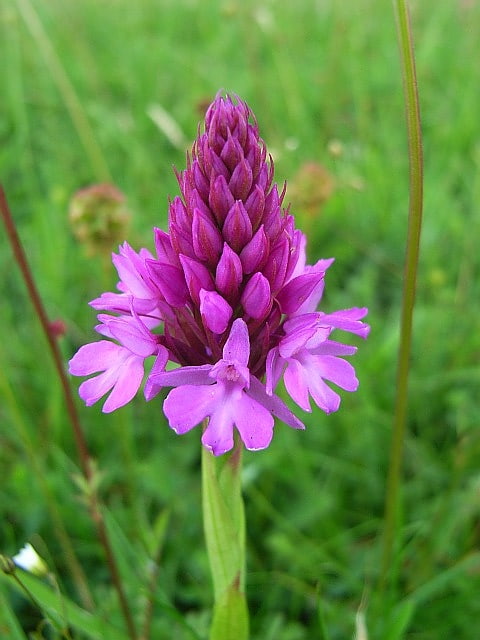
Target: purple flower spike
(228, 299)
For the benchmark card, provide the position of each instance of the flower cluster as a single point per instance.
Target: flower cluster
(227, 297)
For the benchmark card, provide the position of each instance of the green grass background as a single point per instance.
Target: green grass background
(74, 110)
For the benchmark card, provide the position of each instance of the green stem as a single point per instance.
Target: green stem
(392, 502)
(224, 526)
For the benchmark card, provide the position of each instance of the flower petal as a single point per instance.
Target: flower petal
(254, 423)
(132, 272)
(274, 369)
(237, 347)
(332, 348)
(273, 403)
(348, 320)
(188, 405)
(296, 384)
(325, 397)
(151, 388)
(299, 291)
(170, 280)
(218, 436)
(129, 379)
(133, 335)
(181, 376)
(94, 357)
(124, 376)
(338, 371)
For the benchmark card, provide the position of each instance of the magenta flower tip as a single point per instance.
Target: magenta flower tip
(227, 297)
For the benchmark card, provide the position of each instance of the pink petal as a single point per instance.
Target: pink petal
(207, 240)
(163, 246)
(124, 376)
(299, 291)
(276, 266)
(188, 405)
(131, 270)
(312, 301)
(338, 371)
(151, 389)
(237, 347)
(237, 228)
(123, 302)
(292, 342)
(296, 383)
(273, 403)
(255, 253)
(274, 369)
(181, 376)
(218, 436)
(254, 422)
(228, 274)
(170, 280)
(332, 348)
(220, 198)
(134, 336)
(197, 277)
(296, 263)
(129, 379)
(324, 397)
(348, 320)
(96, 356)
(93, 389)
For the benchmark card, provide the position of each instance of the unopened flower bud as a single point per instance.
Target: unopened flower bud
(29, 560)
(256, 297)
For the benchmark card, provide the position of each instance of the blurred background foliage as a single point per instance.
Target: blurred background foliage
(113, 91)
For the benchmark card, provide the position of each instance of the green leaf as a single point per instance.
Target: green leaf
(470, 564)
(9, 625)
(230, 616)
(62, 611)
(401, 616)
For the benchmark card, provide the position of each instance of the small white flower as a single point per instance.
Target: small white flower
(29, 560)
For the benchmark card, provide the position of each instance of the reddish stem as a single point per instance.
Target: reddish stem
(80, 441)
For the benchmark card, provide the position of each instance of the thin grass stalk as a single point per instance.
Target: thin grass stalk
(80, 441)
(414, 133)
(66, 89)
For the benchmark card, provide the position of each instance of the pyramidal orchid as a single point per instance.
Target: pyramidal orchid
(227, 298)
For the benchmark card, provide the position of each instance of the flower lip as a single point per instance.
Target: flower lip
(228, 396)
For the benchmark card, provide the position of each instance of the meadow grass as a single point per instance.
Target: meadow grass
(79, 80)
